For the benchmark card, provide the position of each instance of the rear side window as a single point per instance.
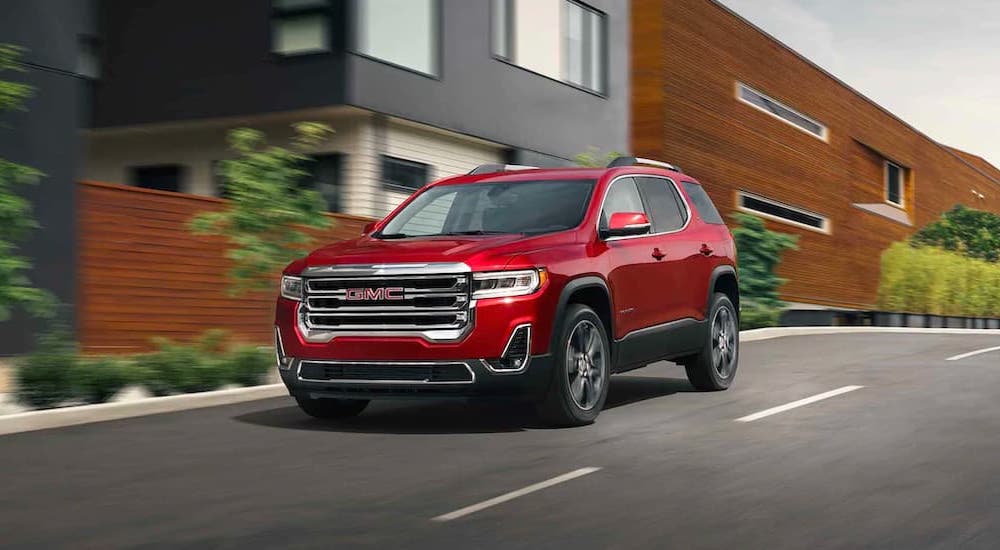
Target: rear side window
(702, 203)
(663, 204)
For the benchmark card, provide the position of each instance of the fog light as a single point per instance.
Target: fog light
(284, 362)
(516, 353)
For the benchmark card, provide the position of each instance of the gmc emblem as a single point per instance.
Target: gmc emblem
(374, 294)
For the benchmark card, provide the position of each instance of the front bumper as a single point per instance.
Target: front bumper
(494, 322)
(529, 384)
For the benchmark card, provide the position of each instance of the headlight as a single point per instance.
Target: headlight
(498, 284)
(291, 288)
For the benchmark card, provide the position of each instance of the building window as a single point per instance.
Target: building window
(163, 177)
(323, 174)
(300, 27)
(564, 40)
(777, 211)
(404, 175)
(894, 184)
(401, 32)
(779, 110)
(584, 53)
(325, 178)
(502, 23)
(88, 60)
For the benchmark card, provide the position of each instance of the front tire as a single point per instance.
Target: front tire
(714, 367)
(331, 408)
(582, 370)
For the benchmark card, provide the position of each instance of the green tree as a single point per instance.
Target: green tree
(593, 158)
(266, 218)
(16, 219)
(759, 251)
(973, 233)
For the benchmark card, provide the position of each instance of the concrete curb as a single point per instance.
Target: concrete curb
(85, 414)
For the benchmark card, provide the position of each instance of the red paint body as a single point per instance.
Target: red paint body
(652, 279)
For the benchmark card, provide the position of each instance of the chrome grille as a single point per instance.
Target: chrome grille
(387, 302)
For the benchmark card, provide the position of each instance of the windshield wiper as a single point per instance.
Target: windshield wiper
(387, 236)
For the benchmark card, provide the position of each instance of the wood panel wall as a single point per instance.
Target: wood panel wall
(143, 274)
(688, 55)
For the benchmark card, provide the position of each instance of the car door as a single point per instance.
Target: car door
(669, 217)
(633, 270)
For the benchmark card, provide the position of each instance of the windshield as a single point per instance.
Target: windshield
(531, 207)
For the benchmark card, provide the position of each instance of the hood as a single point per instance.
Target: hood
(479, 252)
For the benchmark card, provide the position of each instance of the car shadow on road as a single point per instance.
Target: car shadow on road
(456, 417)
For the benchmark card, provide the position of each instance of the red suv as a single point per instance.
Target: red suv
(516, 282)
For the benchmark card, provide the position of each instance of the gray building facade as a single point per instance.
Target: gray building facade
(143, 92)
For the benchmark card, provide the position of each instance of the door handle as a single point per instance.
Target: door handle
(658, 254)
(706, 250)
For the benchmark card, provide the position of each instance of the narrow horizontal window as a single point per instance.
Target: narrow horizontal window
(781, 212)
(777, 109)
(404, 175)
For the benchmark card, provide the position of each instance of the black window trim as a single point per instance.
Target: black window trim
(826, 228)
(600, 212)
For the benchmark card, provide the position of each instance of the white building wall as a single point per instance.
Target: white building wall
(362, 137)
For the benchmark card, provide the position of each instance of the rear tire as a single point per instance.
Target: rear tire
(714, 367)
(581, 373)
(331, 408)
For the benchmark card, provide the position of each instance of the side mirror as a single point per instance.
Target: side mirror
(368, 228)
(627, 224)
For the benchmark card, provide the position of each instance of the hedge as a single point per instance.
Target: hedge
(57, 374)
(920, 279)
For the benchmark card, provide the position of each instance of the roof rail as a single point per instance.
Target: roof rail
(638, 161)
(490, 168)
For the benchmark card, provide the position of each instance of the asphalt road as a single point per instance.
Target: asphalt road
(909, 460)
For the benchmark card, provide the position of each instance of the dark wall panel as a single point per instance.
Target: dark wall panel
(46, 137)
(168, 60)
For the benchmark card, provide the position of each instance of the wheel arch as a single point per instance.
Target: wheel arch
(591, 291)
(725, 280)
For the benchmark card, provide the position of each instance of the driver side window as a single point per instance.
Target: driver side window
(623, 196)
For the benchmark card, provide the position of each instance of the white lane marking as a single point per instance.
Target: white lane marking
(799, 403)
(515, 494)
(972, 353)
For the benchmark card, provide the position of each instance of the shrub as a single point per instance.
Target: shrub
(248, 365)
(56, 374)
(970, 232)
(920, 279)
(45, 377)
(759, 251)
(98, 379)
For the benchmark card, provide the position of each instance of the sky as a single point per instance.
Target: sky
(933, 63)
